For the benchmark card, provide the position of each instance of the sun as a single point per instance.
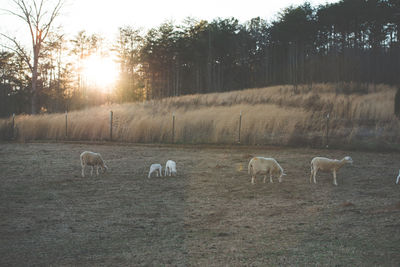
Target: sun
(100, 72)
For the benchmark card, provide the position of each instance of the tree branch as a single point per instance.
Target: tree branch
(19, 50)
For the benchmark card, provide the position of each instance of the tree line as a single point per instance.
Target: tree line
(347, 41)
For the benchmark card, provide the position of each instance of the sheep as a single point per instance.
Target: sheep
(155, 168)
(398, 178)
(265, 165)
(328, 165)
(170, 168)
(92, 159)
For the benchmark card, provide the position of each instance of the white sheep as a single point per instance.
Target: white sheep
(170, 168)
(398, 178)
(155, 168)
(265, 165)
(92, 159)
(327, 165)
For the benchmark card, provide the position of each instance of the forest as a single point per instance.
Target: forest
(353, 41)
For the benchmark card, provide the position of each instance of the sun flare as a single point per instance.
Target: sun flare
(100, 72)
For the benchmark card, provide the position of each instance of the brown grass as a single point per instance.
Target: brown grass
(272, 115)
(208, 215)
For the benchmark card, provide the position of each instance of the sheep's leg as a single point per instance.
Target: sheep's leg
(149, 174)
(91, 171)
(315, 174)
(270, 178)
(311, 174)
(265, 178)
(334, 177)
(97, 170)
(83, 170)
(253, 177)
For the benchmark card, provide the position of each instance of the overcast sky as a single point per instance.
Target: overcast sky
(105, 16)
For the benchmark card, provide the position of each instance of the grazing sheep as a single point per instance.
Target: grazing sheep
(170, 168)
(155, 168)
(92, 159)
(265, 165)
(398, 178)
(327, 165)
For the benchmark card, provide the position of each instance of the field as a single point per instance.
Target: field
(360, 116)
(209, 214)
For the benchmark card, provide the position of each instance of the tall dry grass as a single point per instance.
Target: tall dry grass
(272, 115)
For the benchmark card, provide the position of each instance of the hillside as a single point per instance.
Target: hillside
(359, 115)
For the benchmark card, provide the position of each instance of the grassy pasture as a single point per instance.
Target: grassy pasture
(209, 214)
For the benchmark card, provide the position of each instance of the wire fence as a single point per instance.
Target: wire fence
(350, 133)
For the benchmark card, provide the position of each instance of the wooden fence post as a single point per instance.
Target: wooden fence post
(111, 121)
(327, 130)
(13, 126)
(66, 124)
(173, 127)
(240, 124)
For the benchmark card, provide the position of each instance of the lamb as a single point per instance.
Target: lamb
(398, 178)
(328, 165)
(155, 168)
(92, 159)
(265, 165)
(170, 168)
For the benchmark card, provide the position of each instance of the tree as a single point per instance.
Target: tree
(39, 16)
(83, 47)
(14, 82)
(54, 76)
(130, 84)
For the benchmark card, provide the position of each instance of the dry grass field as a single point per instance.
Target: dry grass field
(209, 214)
(361, 115)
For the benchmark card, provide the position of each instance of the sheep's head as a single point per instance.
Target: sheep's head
(348, 159)
(281, 173)
(104, 168)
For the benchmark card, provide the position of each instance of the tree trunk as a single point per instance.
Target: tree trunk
(34, 94)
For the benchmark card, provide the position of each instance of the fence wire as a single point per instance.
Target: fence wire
(329, 131)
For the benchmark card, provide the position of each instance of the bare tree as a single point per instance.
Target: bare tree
(39, 16)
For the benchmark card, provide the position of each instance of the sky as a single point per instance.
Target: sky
(105, 16)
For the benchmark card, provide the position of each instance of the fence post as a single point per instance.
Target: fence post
(111, 121)
(66, 124)
(327, 130)
(240, 124)
(173, 127)
(13, 126)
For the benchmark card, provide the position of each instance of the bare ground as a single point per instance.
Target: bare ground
(209, 214)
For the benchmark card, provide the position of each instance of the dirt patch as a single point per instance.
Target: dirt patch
(347, 204)
(209, 214)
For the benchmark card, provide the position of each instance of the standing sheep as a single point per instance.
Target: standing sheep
(327, 165)
(265, 165)
(92, 159)
(155, 168)
(170, 168)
